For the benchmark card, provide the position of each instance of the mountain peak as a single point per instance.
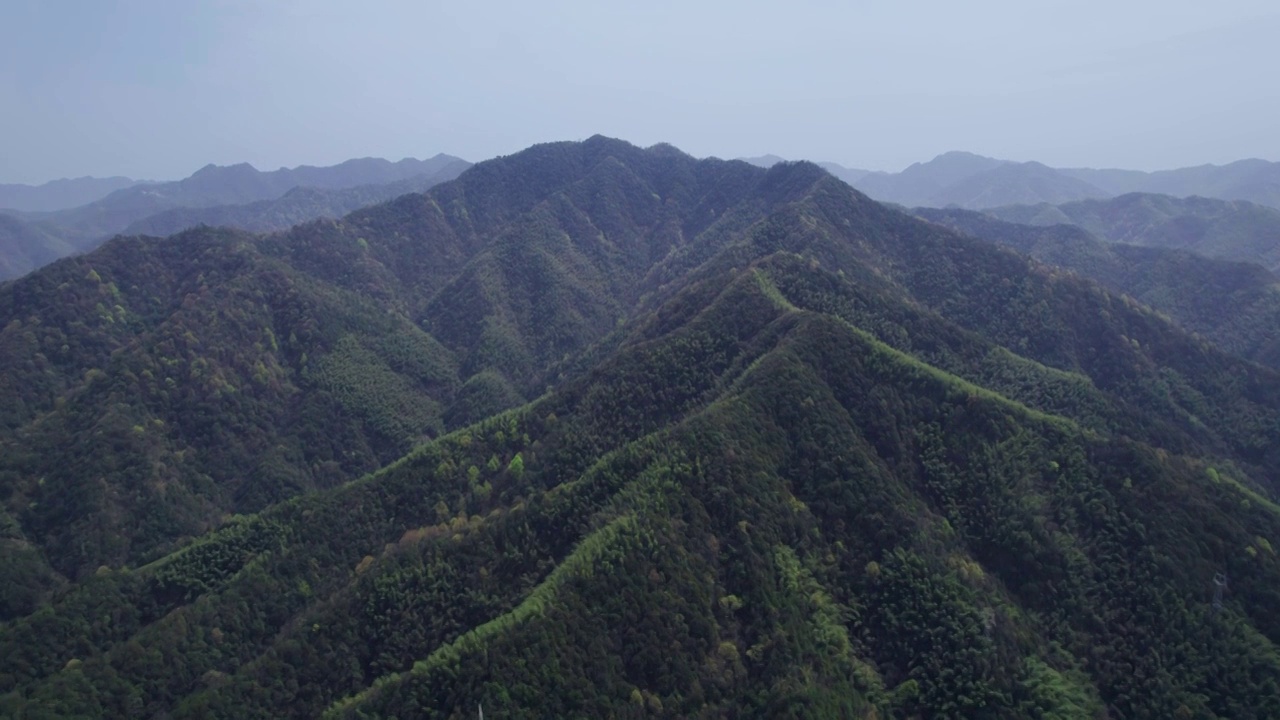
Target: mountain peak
(764, 161)
(212, 170)
(963, 156)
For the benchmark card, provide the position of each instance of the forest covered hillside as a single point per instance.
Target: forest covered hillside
(1236, 305)
(596, 430)
(1238, 230)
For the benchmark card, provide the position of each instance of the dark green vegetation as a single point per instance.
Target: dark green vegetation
(787, 453)
(235, 196)
(1235, 305)
(1213, 228)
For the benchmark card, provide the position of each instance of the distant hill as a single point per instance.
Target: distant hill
(61, 194)
(921, 182)
(24, 246)
(763, 161)
(215, 185)
(849, 175)
(1012, 183)
(975, 182)
(1232, 230)
(216, 195)
(1236, 305)
(1253, 180)
(602, 431)
(298, 205)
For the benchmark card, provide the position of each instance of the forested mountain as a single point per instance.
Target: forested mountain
(1233, 304)
(1234, 230)
(60, 194)
(774, 450)
(236, 196)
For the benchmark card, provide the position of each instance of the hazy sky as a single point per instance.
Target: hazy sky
(157, 88)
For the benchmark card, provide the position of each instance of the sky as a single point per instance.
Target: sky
(156, 89)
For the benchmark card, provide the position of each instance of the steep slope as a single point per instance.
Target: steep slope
(794, 453)
(299, 205)
(60, 194)
(159, 384)
(797, 520)
(1213, 228)
(1235, 305)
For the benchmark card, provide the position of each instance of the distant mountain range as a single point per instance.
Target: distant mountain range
(1236, 305)
(236, 195)
(43, 223)
(975, 182)
(298, 205)
(1231, 230)
(61, 194)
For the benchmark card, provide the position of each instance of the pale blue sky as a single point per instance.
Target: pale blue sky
(157, 88)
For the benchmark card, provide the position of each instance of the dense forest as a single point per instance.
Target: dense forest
(1235, 305)
(602, 431)
(1230, 230)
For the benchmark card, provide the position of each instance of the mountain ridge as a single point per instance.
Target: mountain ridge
(219, 195)
(957, 178)
(1235, 305)
(1233, 230)
(61, 194)
(760, 446)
